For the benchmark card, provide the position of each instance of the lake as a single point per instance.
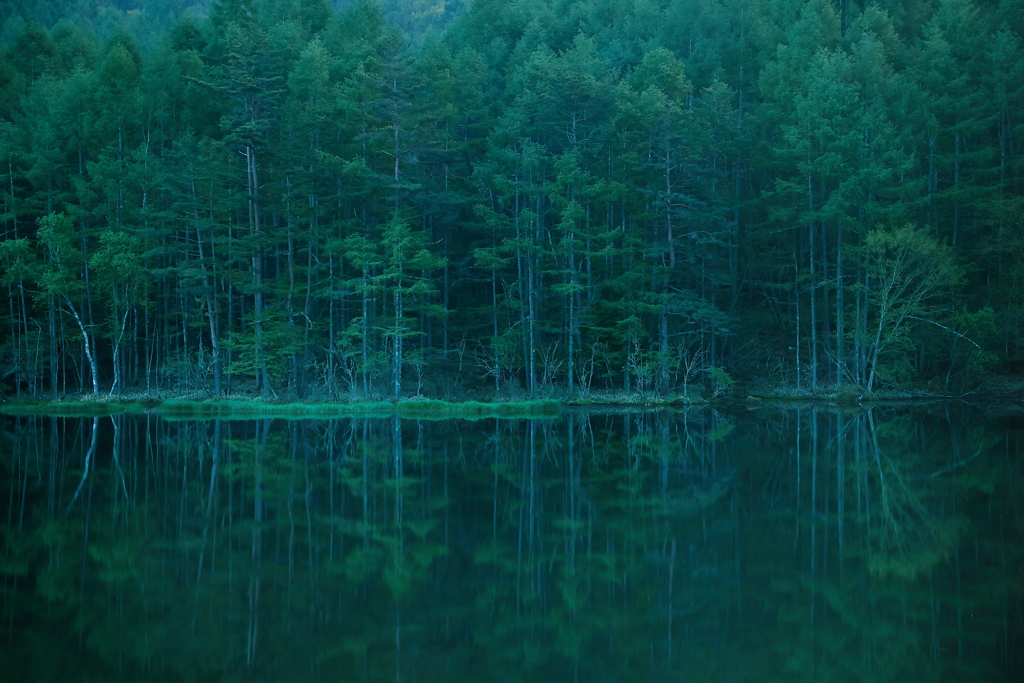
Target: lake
(769, 544)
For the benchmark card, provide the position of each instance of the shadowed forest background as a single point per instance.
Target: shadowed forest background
(509, 198)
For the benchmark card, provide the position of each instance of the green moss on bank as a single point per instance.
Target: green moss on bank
(71, 408)
(233, 409)
(228, 409)
(434, 409)
(635, 400)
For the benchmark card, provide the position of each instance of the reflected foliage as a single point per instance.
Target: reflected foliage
(797, 544)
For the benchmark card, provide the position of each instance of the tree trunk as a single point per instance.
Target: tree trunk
(51, 310)
(397, 351)
(262, 368)
(87, 342)
(814, 316)
(210, 313)
(840, 363)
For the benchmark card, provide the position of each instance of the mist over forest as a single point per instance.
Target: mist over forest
(505, 199)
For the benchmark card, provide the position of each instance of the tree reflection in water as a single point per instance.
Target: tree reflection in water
(797, 544)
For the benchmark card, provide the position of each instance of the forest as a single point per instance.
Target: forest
(510, 198)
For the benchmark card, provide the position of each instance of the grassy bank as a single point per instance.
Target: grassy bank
(72, 407)
(636, 400)
(247, 408)
(238, 409)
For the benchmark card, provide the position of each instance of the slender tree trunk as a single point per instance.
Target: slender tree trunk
(840, 362)
(262, 367)
(51, 311)
(211, 314)
(365, 336)
(668, 209)
(115, 387)
(397, 356)
(796, 294)
(931, 180)
(494, 320)
(826, 322)
(811, 292)
(88, 345)
(571, 346)
(290, 299)
(307, 307)
(956, 187)
(534, 287)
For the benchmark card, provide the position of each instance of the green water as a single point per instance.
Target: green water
(764, 545)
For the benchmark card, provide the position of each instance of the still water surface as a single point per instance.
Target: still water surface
(767, 545)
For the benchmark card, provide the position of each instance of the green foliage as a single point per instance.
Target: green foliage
(568, 197)
(721, 381)
(907, 269)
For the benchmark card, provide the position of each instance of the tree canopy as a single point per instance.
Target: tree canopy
(510, 198)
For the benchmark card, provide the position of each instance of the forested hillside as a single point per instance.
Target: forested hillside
(148, 20)
(548, 198)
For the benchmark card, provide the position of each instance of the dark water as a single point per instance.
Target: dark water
(769, 545)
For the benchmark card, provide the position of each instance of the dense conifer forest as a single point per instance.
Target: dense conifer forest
(505, 198)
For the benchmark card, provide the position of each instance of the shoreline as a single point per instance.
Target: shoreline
(247, 407)
(252, 408)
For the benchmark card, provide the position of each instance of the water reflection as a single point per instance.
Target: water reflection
(803, 544)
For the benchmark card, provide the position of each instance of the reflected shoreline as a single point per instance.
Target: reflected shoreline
(800, 542)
